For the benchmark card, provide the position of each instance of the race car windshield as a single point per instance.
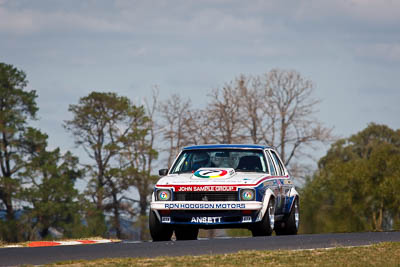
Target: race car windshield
(241, 160)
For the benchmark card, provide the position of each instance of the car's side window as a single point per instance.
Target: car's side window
(271, 165)
(278, 162)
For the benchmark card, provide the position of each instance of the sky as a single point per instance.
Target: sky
(350, 49)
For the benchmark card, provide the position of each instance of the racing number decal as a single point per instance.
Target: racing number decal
(210, 173)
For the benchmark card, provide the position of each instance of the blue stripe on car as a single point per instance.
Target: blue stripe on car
(226, 146)
(288, 205)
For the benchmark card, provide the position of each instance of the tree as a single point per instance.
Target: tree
(138, 157)
(257, 114)
(355, 188)
(48, 191)
(197, 127)
(224, 109)
(182, 126)
(174, 112)
(17, 106)
(101, 125)
(292, 104)
(276, 109)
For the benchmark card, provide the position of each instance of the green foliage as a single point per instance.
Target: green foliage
(94, 219)
(16, 107)
(136, 162)
(356, 186)
(40, 180)
(49, 179)
(113, 132)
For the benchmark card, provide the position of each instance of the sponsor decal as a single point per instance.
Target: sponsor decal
(204, 206)
(210, 174)
(272, 182)
(197, 188)
(206, 219)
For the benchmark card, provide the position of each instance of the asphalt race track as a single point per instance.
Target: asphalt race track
(43, 255)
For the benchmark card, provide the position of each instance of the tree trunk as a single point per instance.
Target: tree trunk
(9, 207)
(117, 224)
(283, 137)
(143, 207)
(377, 219)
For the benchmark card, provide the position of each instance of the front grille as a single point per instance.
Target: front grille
(206, 196)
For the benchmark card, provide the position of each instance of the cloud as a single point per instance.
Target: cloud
(130, 17)
(378, 12)
(32, 21)
(383, 11)
(380, 52)
(21, 22)
(211, 17)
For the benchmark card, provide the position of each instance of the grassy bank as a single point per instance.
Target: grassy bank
(383, 254)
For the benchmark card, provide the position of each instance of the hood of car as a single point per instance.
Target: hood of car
(210, 176)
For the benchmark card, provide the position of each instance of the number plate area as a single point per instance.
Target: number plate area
(212, 217)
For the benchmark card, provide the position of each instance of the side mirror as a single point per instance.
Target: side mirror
(163, 172)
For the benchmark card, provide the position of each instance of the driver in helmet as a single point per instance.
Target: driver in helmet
(201, 159)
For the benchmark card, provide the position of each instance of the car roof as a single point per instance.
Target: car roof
(228, 146)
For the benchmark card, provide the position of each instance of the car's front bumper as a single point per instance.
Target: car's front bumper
(205, 213)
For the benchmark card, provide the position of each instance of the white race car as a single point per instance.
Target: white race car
(224, 186)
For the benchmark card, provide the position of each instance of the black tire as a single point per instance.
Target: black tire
(186, 233)
(266, 225)
(290, 226)
(159, 231)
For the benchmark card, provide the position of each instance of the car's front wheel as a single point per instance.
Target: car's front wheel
(266, 225)
(186, 233)
(159, 231)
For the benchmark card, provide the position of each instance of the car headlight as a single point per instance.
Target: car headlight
(247, 194)
(163, 195)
